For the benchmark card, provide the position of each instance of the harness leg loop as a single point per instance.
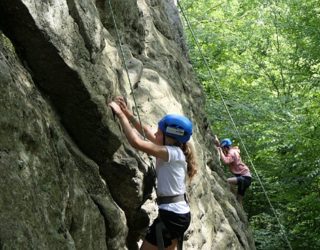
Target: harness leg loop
(159, 229)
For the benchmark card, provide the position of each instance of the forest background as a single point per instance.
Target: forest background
(260, 63)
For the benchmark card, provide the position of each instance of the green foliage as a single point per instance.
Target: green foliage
(264, 60)
(266, 231)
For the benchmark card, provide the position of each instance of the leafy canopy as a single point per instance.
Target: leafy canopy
(264, 58)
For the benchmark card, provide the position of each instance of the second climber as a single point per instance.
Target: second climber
(231, 157)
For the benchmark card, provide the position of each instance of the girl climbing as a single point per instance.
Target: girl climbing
(231, 156)
(174, 162)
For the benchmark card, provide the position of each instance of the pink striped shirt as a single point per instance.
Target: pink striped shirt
(234, 162)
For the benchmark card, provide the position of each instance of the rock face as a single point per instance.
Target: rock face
(69, 179)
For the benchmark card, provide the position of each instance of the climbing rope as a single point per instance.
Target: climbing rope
(159, 230)
(234, 125)
(131, 86)
(125, 66)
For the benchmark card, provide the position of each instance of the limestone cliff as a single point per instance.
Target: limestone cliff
(69, 179)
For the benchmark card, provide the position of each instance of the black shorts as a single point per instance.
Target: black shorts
(243, 183)
(176, 225)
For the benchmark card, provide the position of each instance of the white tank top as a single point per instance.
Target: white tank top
(171, 179)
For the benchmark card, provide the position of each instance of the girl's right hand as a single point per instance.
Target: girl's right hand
(123, 105)
(116, 108)
(216, 141)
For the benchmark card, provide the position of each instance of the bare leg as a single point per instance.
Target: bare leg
(148, 246)
(173, 245)
(240, 198)
(233, 182)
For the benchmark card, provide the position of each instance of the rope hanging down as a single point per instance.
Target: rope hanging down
(131, 88)
(125, 66)
(234, 125)
(159, 234)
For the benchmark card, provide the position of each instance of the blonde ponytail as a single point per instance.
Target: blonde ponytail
(191, 161)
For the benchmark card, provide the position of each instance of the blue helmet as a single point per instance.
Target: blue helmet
(176, 126)
(226, 142)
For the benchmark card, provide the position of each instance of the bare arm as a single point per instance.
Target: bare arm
(134, 139)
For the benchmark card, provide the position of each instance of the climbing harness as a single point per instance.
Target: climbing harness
(171, 199)
(160, 229)
(234, 125)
